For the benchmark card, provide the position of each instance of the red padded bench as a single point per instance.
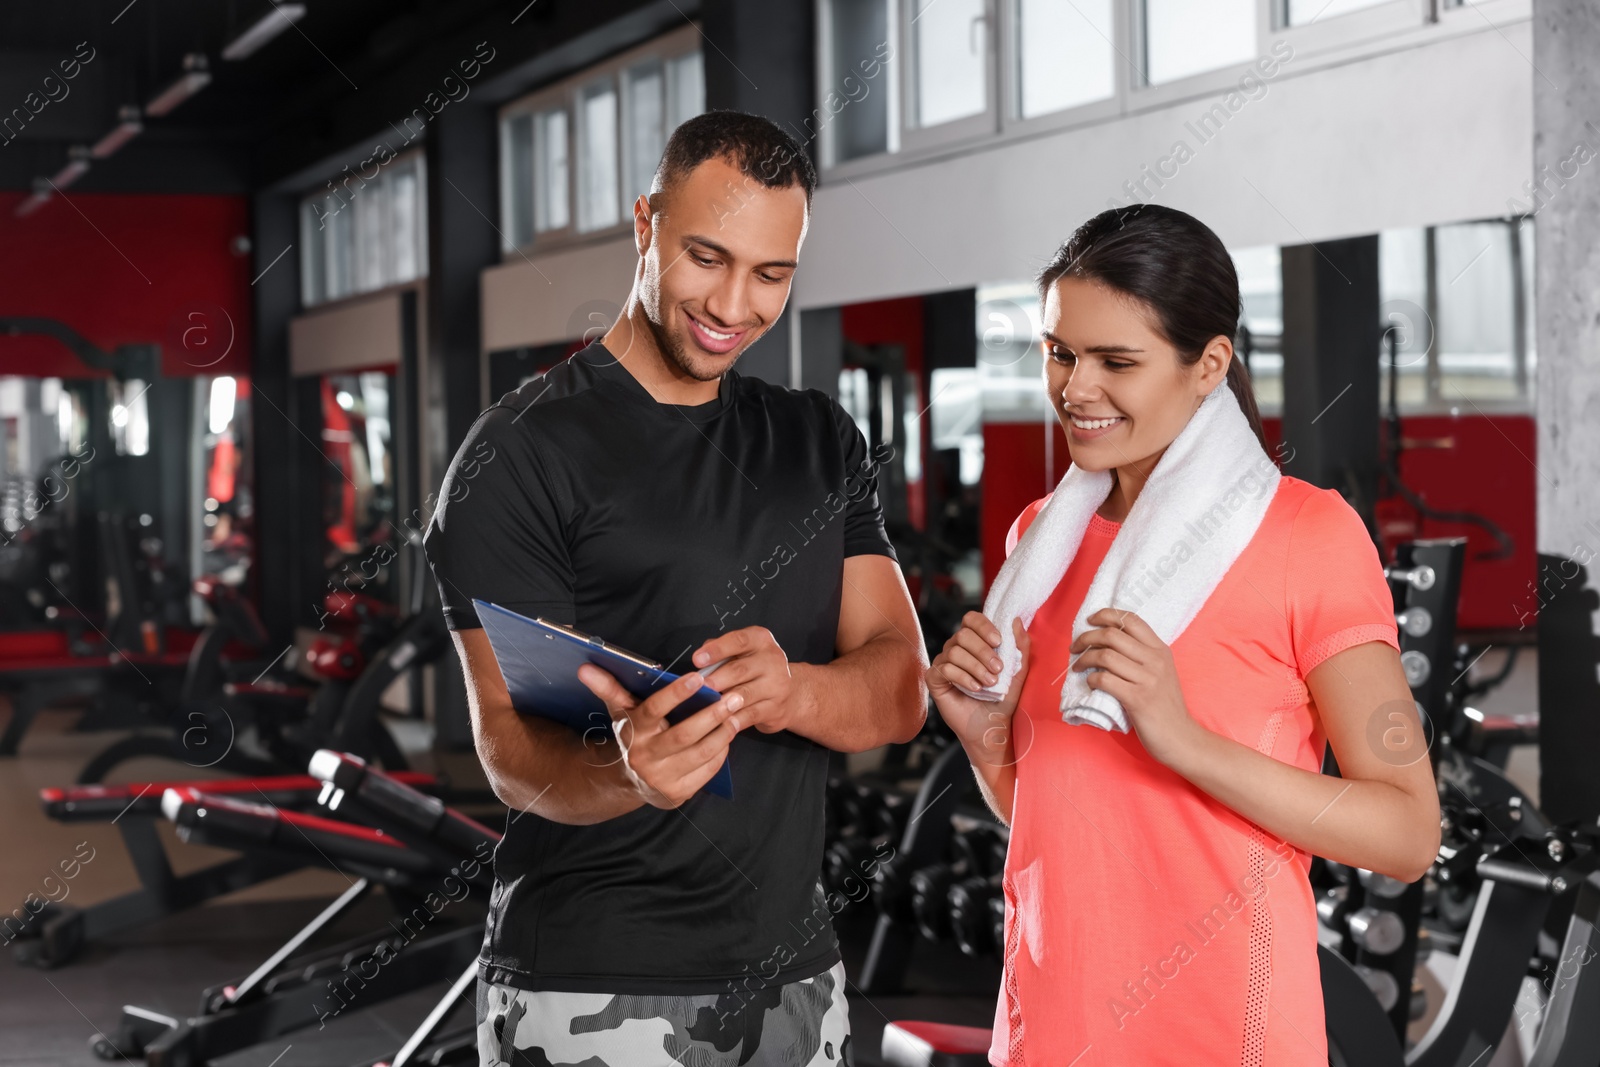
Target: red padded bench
(912, 1043)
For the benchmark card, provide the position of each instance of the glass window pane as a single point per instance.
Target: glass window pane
(859, 41)
(550, 171)
(1184, 38)
(371, 237)
(646, 127)
(686, 87)
(597, 157)
(950, 39)
(1476, 297)
(339, 237)
(1065, 54)
(1305, 12)
(1260, 273)
(313, 254)
(403, 216)
(518, 148)
(1402, 308)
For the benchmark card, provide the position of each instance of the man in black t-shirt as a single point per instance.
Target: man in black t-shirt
(646, 492)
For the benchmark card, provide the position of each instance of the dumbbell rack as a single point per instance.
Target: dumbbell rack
(942, 880)
(1372, 920)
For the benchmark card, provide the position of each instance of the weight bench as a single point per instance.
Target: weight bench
(54, 934)
(288, 992)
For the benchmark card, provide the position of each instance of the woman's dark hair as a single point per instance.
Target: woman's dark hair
(1172, 264)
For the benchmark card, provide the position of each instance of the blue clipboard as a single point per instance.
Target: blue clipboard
(539, 661)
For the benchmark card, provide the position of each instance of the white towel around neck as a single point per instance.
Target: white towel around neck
(1199, 508)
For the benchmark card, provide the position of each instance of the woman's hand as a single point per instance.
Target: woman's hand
(970, 658)
(1137, 668)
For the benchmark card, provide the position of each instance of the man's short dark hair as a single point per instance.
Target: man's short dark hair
(760, 150)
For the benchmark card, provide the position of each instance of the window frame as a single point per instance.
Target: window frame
(416, 157)
(953, 131)
(1012, 120)
(1383, 28)
(566, 94)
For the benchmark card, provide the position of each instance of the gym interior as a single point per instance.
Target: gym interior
(262, 264)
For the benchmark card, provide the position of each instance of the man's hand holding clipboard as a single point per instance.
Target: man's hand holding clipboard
(669, 762)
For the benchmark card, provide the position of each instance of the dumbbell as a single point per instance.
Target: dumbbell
(891, 891)
(870, 820)
(846, 859)
(997, 923)
(1377, 931)
(971, 919)
(1333, 908)
(972, 857)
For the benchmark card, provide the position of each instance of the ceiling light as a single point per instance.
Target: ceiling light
(194, 78)
(274, 22)
(78, 165)
(128, 126)
(41, 193)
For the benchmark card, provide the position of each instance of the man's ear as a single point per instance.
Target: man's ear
(643, 226)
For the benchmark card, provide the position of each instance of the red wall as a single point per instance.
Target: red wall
(1484, 464)
(126, 269)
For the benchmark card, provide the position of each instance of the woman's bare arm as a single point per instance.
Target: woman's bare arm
(1382, 815)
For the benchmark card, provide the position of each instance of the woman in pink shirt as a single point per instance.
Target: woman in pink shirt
(1158, 908)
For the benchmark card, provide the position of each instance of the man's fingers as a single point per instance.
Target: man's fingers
(691, 730)
(663, 700)
(618, 701)
(682, 774)
(701, 763)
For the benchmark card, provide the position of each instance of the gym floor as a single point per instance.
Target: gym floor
(48, 1017)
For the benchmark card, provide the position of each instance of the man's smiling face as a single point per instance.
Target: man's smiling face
(722, 254)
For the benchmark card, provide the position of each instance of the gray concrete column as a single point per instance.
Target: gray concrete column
(1566, 168)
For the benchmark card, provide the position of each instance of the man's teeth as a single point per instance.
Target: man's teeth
(1094, 424)
(714, 334)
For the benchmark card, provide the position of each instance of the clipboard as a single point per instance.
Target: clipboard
(539, 660)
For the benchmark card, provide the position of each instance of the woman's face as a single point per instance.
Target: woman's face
(1116, 384)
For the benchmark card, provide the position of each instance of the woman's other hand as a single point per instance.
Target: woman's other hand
(971, 658)
(1137, 668)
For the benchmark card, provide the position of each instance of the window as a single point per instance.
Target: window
(1305, 12)
(859, 118)
(597, 157)
(576, 155)
(686, 89)
(1183, 38)
(550, 171)
(950, 49)
(366, 234)
(645, 125)
(1260, 341)
(1064, 55)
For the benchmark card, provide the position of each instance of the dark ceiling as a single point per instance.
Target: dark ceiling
(344, 71)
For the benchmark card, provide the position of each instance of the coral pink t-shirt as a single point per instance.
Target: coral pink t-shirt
(1147, 923)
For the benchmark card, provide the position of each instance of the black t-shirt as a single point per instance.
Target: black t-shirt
(658, 526)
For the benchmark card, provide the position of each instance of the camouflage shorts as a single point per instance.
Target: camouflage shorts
(801, 1024)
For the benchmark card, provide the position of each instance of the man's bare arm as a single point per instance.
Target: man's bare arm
(541, 766)
(872, 694)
